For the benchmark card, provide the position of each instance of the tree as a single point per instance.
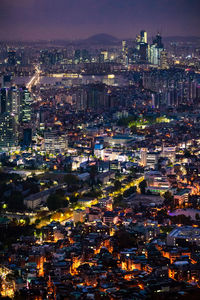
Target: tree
(16, 201)
(119, 201)
(133, 129)
(133, 171)
(117, 174)
(124, 239)
(93, 173)
(117, 185)
(56, 201)
(142, 186)
(168, 199)
(197, 217)
(71, 179)
(129, 192)
(27, 221)
(187, 153)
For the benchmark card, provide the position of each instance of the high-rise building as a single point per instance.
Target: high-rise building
(55, 142)
(143, 153)
(9, 114)
(124, 46)
(9, 101)
(25, 106)
(163, 60)
(143, 36)
(3, 101)
(143, 52)
(8, 131)
(142, 46)
(155, 50)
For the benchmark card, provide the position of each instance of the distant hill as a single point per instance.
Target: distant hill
(100, 39)
(183, 39)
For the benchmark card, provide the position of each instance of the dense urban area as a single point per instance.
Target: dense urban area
(100, 169)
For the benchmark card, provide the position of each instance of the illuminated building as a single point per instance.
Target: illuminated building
(78, 215)
(143, 36)
(8, 131)
(9, 112)
(124, 46)
(25, 106)
(163, 60)
(185, 233)
(144, 157)
(55, 142)
(142, 46)
(124, 52)
(155, 50)
(105, 55)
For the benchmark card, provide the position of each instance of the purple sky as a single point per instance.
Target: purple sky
(54, 19)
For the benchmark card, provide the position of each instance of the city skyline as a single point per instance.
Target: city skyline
(32, 20)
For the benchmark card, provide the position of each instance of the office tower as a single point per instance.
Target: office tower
(155, 55)
(55, 142)
(124, 52)
(15, 101)
(143, 52)
(9, 113)
(25, 106)
(9, 101)
(142, 46)
(143, 37)
(143, 154)
(3, 101)
(105, 55)
(8, 131)
(124, 46)
(163, 60)
(155, 50)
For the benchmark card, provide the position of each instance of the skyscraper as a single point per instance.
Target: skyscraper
(25, 106)
(8, 131)
(143, 36)
(156, 49)
(9, 112)
(142, 46)
(9, 101)
(163, 60)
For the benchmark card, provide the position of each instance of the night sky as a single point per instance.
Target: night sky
(55, 19)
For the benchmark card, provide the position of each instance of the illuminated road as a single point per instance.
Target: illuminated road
(35, 79)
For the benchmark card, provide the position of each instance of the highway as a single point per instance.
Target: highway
(34, 79)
